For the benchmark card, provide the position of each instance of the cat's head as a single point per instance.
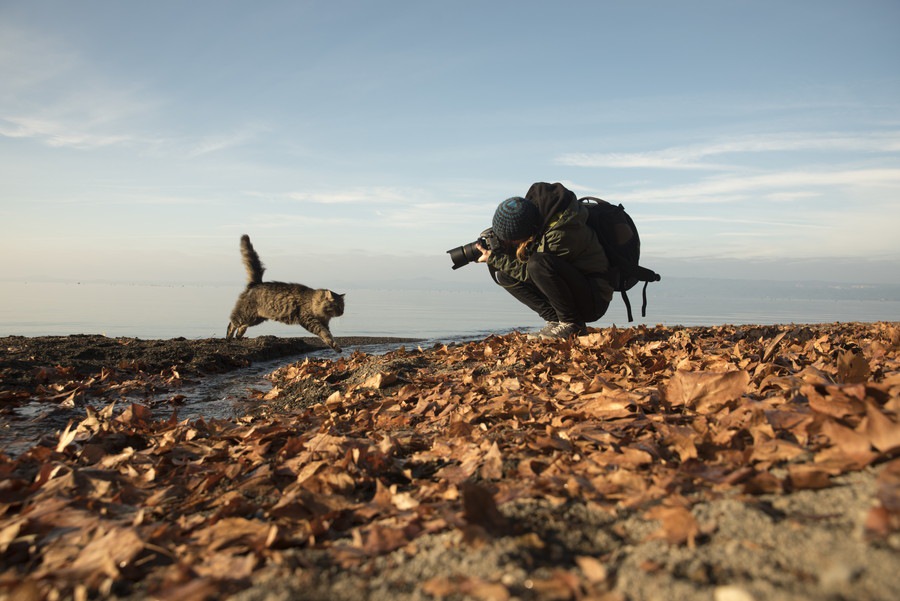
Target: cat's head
(334, 304)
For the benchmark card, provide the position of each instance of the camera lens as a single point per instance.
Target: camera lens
(463, 255)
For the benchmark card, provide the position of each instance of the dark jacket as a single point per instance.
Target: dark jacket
(564, 232)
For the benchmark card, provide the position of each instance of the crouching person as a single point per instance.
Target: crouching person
(550, 259)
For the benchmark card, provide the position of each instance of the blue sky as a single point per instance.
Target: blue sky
(359, 140)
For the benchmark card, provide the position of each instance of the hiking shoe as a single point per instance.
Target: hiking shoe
(562, 331)
(540, 333)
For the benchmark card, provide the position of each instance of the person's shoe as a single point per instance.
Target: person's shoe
(540, 333)
(562, 331)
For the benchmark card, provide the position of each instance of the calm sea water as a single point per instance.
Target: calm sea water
(201, 311)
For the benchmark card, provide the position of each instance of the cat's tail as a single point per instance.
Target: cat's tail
(252, 263)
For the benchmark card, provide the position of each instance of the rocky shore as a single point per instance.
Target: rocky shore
(726, 463)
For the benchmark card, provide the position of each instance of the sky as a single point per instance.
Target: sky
(358, 141)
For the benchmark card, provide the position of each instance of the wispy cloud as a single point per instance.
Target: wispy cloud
(220, 142)
(58, 133)
(366, 196)
(696, 156)
(50, 93)
(53, 94)
(717, 219)
(777, 186)
(781, 195)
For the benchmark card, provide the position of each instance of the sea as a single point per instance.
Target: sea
(423, 310)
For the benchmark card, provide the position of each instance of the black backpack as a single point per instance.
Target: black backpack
(619, 237)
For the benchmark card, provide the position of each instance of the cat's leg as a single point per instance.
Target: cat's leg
(321, 330)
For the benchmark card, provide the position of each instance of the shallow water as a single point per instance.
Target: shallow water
(201, 311)
(213, 396)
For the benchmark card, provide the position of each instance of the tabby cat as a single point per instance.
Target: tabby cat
(280, 301)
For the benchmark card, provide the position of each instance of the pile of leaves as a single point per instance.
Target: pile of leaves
(350, 461)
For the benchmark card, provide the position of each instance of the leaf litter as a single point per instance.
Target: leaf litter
(611, 466)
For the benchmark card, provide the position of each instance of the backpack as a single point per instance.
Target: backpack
(619, 237)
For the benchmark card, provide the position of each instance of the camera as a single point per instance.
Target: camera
(467, 253)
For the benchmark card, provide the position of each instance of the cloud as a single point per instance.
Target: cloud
(730, 220)
(694, 156)
(393, 205)
(216, 143)
(367, 196)
(51, 94)
(58, 133)
(783, 185)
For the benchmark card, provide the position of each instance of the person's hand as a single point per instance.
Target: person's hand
(485, 253)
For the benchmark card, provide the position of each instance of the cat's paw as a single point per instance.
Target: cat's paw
(336, 348)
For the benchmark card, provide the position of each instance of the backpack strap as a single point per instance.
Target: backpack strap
(645, 275)
(644, 306)
(628, 303)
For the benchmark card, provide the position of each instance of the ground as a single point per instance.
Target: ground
(92, 353)
(727, 463)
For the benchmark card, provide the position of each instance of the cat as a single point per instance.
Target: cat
(280, 301)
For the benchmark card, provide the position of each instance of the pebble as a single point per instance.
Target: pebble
(731, 593)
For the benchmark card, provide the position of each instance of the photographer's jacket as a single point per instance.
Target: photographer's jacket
(564, 233)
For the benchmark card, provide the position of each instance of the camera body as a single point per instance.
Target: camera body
(468, 253)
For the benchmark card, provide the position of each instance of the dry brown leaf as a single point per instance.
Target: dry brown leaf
(106, 554)
(853, 367)
(492, 467)
(66, 438)
(680, 438)
(380, 380)
(849, 442)
(882, 431)
(226, 566)
(592, 568)
(603, 405)
(484, 590)
(706, 392)
(776, 450)
(808, 477)
(677, 525)
(772, 346)
(196, 589)
(379, 539)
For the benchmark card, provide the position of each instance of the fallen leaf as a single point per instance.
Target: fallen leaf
(852, 367)
(882, 431)
(677, 525)
(592, 568)
(706, 392)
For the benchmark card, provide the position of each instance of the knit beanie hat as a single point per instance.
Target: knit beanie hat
(516, 219)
